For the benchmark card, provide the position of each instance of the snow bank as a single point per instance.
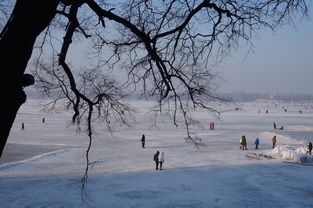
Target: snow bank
(292, 153)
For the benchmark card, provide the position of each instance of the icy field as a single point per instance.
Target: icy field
(42, 166)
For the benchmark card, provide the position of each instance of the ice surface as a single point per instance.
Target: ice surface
(42, 166)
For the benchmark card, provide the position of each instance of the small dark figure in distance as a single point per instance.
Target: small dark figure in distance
(274, 141)
(257, 142)
(156, 160)
(143, 141)
(161, 159)
(266, 111)
(23, 127)
(300, 111)
(43, 120)
(274, 124)
(310, 148)
(285, 110)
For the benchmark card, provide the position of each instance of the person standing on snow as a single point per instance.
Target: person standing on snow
(143, 141)
(257, 142)
(274, 141)
(244, 143)
(156, 160)
(161, 159)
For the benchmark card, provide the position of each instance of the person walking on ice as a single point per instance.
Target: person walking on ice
(161, 159)
(257, 142)
(243, 143)
(23, 127)
(143, 141)
(274, 141)
(156, 160)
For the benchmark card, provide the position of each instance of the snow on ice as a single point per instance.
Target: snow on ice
(42, 166)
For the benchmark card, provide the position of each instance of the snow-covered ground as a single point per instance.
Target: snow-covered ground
(43, 165)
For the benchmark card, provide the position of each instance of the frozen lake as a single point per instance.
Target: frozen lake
(42, 165)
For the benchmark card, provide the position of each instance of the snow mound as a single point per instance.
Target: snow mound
(294, 154)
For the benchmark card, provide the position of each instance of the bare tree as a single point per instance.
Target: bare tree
(167, 46)
(103, 98)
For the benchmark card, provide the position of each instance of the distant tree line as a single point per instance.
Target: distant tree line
(250, 97)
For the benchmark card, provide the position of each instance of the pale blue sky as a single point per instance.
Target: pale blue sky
(281, 63)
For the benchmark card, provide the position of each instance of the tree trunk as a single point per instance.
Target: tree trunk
(29, 18)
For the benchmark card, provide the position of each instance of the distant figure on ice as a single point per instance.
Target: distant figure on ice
(156, 160)
(211, 125)
(285, 110)
(23, 127)
(266, 111)
(310, 148)
(274, 141)
(257, 142)
(143, 141)
(43, 120)
(300, 111)
(243, 143)
(161, 159)
(274, 124)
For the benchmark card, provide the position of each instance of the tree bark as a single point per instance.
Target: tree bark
(29, 18)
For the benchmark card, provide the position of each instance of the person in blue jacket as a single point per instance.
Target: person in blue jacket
(257, 142)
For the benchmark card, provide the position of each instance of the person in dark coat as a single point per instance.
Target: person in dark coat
(274, 141)
(310, 148)
(143, 141)
(23, 127)
(156, 160)
(274, 124)
(257, 142)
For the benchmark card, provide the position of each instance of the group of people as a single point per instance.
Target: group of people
(158, 157)
(159, 160)
(243, 143)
